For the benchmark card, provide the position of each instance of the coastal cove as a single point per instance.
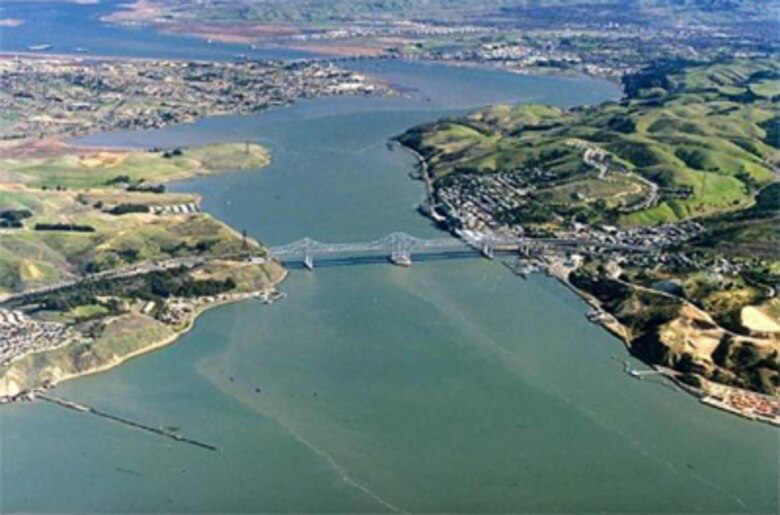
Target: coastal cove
(449, 386)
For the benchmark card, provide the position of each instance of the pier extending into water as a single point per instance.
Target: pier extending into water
(159, 431)
(399, 247)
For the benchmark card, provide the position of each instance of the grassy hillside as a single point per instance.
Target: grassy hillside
(84, 168)
(687, 141)
(706, 135)
(83, 187)
(124, 335)
(753, 232)
(68, 212)
(30, 257)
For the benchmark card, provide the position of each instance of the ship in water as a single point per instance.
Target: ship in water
(40, 48)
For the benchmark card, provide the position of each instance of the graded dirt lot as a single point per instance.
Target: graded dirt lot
(757, 319)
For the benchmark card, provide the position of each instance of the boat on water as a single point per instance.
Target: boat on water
(40, 48)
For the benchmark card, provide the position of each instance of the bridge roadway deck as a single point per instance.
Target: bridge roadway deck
(404, 246)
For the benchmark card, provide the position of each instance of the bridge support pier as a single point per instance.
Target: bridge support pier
(308, 261)
(401, 258)
(488, 250)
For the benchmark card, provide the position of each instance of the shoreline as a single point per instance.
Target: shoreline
(529, 72)
(422, 168)
(65, 147)
(608, 322)
(25, 388)
(158, 344)
(425, 175)
(612, 326)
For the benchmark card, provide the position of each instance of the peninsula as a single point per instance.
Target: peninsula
(98, 262)
(686, 165)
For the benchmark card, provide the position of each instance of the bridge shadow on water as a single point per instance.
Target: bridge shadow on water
(334, 262)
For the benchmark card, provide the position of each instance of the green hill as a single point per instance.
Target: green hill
(706, 135)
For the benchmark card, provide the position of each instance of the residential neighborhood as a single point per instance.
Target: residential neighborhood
(21, 335)
(85, 95)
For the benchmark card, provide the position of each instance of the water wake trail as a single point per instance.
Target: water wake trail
(343, 473)
(208, 372)
(481, 338)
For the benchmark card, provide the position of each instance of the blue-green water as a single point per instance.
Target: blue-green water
(447, 387)
(67, 26)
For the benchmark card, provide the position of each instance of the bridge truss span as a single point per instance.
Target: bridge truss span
(399, 247)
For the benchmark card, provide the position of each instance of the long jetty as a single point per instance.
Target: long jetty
(81, 408)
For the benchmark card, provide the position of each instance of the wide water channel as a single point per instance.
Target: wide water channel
(451, 386)
(67, 27)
